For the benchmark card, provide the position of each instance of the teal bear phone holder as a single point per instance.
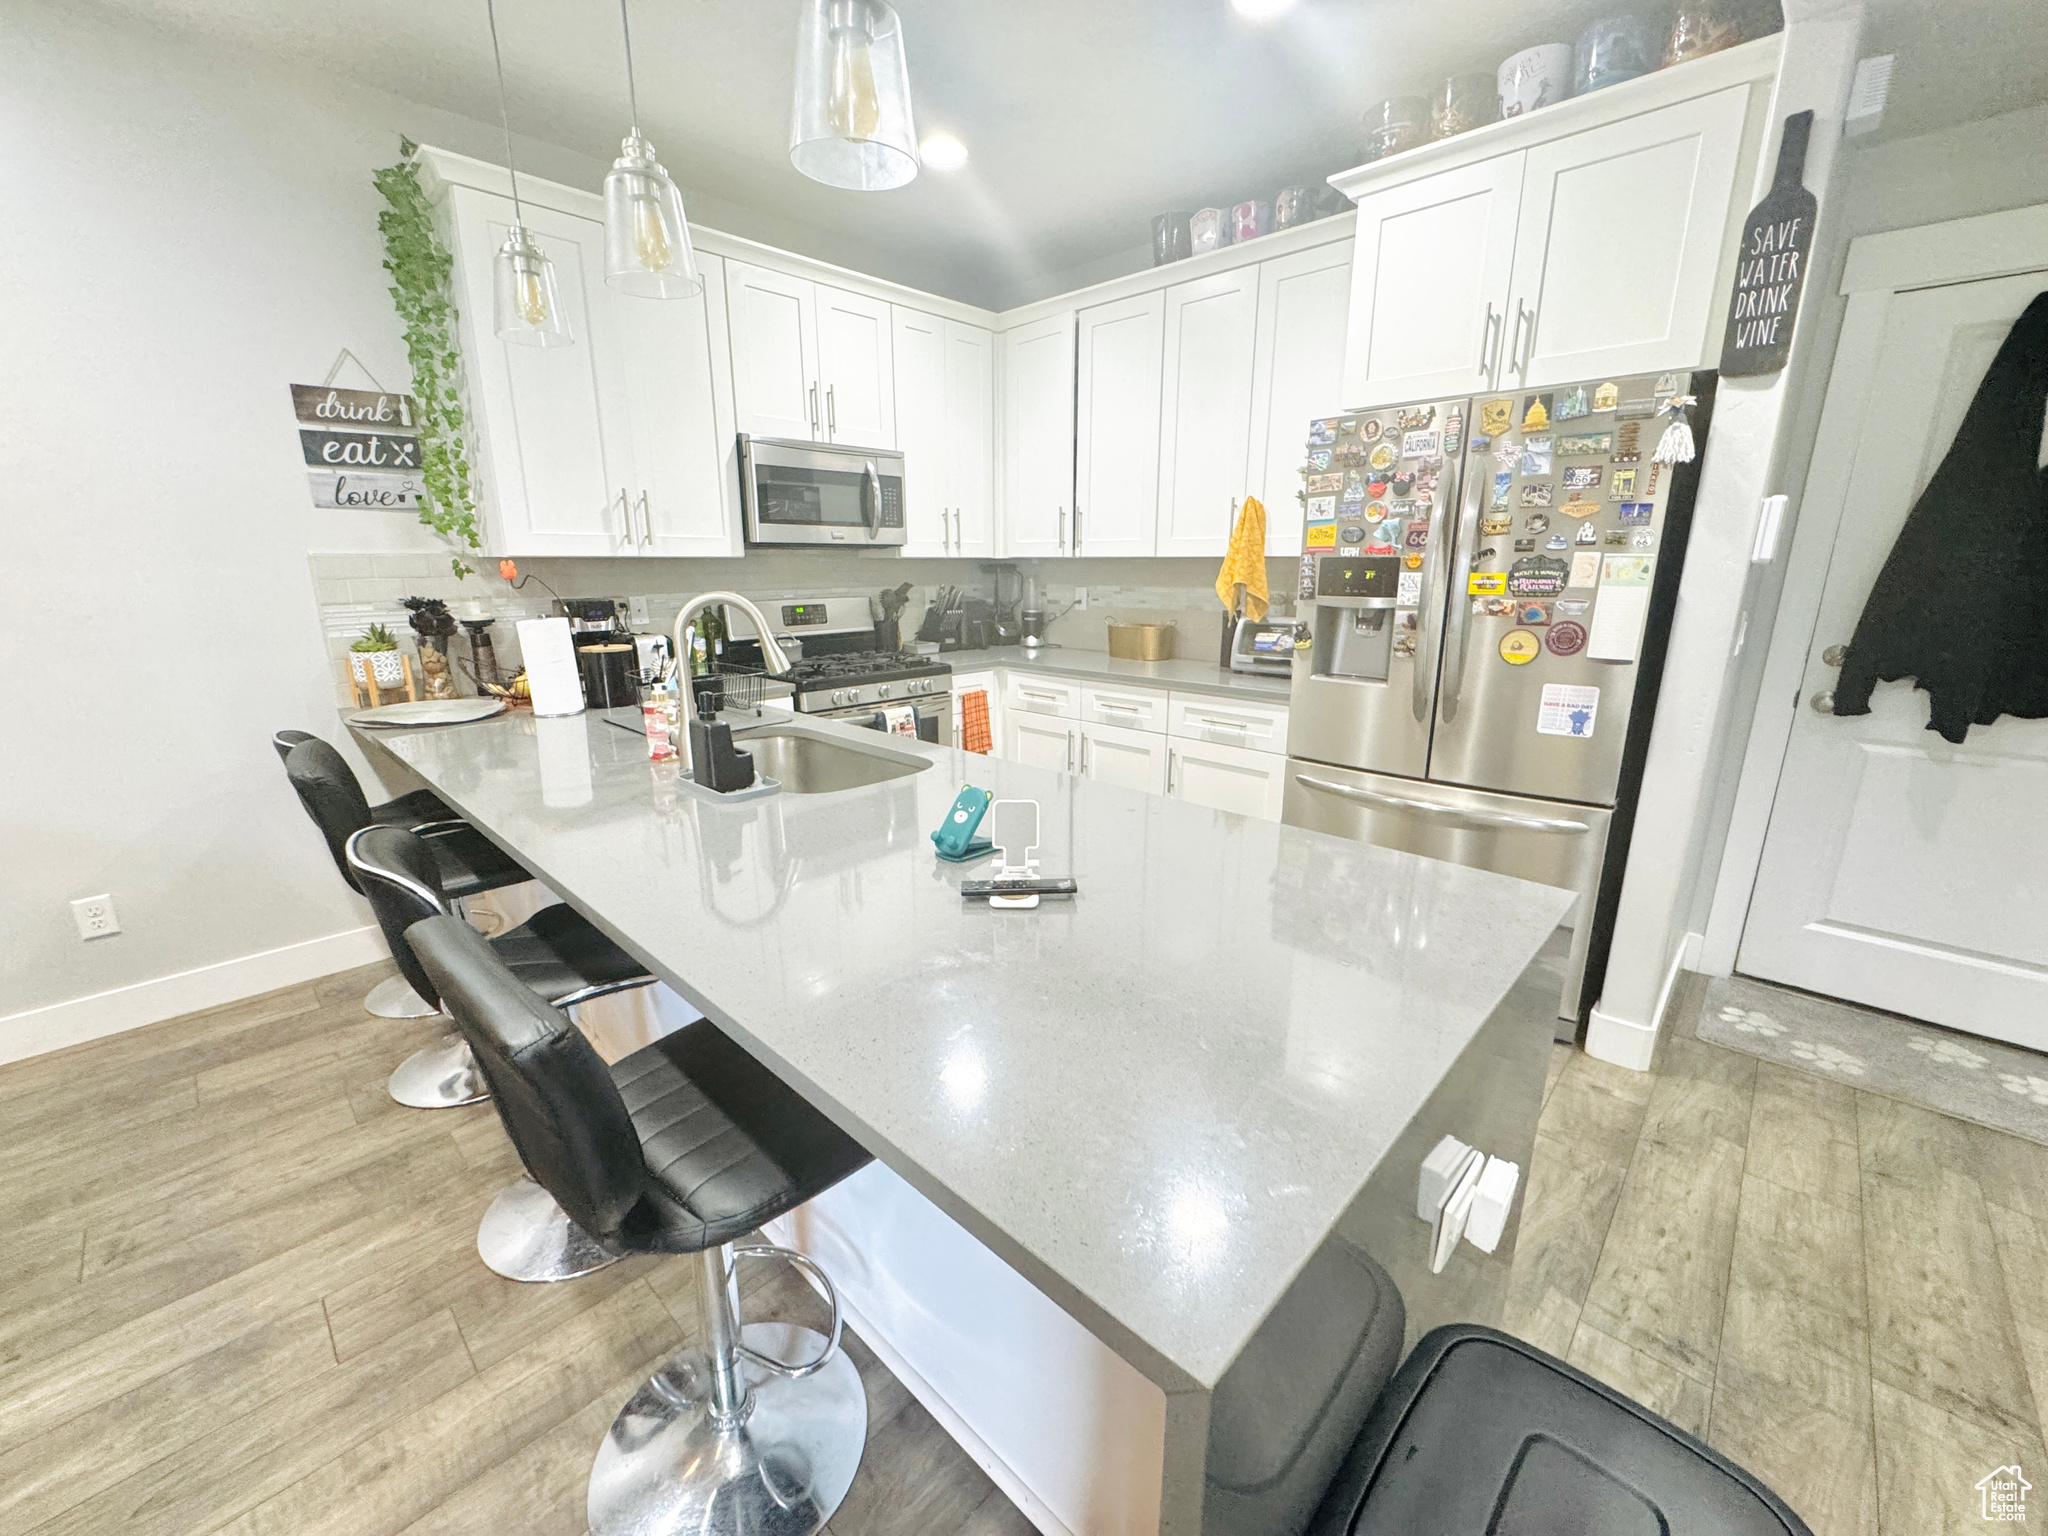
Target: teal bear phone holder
(955, 839)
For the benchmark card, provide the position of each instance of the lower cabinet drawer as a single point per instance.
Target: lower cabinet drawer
(1041, 696)
(1226, 722)
(1227, 778)
(1132, 709)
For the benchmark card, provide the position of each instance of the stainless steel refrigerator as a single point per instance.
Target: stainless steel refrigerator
(1488, 584)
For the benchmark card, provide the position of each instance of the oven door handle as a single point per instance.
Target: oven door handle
(1471, 817)
(871, 498)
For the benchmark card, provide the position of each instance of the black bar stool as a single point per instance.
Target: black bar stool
(682, 1147)
(327, 787)
(556, 953)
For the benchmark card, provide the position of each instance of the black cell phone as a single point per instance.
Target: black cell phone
(1063, 886)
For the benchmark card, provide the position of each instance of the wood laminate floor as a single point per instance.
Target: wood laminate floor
(241, 1294)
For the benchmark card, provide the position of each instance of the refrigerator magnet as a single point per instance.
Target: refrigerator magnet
(1557, 541)
(1421, 445)
(1495, 417)
(1585, 568)
(1486, 583)
(1413, 562)
(1525, 546)
(1572, 403)
(1588, 534)
(1536, 413)
(1519, 647)
(1536, 493)
(1320, 507)
(1573, 607)
(1370, 429)
(1321, 432)
(1567, 637)
(1580, 444)
(1383, 456)
(1408, 589)
(1416, 420)
(1535, 615)
(1567, 710)
(1621, 485)
(1495, 526)
(1318, 459)
(1417, 536)
(1636, 511)
(1536, 455)
(1320, 536)
(1502, 481)
(1404, 645)
(1607, 396)
(1581, 477)
(1614, 538)
(1326, 484)
(1643, 538)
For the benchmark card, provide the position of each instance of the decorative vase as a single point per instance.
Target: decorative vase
(1612, 50)
(385, 666)
(1170, 239)
(1210, 228)
(437, 679)
(1462, 103)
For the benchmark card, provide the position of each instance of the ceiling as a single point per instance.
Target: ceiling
(1082, 118)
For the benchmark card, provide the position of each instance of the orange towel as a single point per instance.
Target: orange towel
(974, 731)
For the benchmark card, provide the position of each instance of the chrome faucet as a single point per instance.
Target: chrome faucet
(773, 658)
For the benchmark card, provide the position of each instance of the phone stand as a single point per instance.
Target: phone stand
(1012, 826)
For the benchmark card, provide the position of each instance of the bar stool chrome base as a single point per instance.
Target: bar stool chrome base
(394, 998)
(526, 1236)
(440, 1076)
(667, 1467)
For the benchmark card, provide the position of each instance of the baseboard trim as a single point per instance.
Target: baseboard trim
(1626, 1043)
(151, 1002)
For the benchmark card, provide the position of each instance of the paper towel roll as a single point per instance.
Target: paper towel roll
(551, 673)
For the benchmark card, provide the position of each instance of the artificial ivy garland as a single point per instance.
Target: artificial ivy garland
(420, 266)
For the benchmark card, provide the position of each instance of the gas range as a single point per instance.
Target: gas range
(853, 678)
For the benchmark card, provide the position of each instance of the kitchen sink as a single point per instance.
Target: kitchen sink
(810, 762)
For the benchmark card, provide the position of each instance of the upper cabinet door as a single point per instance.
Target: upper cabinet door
(1622, 232)
(556, 434)
(919, 344)
(1037, 469)
(774, 353)
(970, 431)
(685, 499)
(1429, 284)
(1116, 445)
(1297, 375)
(1205, 410)
(856, 389)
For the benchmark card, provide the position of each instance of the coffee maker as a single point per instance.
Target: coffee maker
(606, 654)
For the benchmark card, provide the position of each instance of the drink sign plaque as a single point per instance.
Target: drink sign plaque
(361, 447)
(1770, 271)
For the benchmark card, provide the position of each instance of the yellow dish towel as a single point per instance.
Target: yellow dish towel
(1245, 563)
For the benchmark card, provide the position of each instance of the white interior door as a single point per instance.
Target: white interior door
(1037, 447)
(1297, 375)
(970, 436)
(1900, 871)
(774, 352)
(1205, 409)
(1116, 436)
(1620, 235)
(1429, 285)
(919, 345)
(857, 397)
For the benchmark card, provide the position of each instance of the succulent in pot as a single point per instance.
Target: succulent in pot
(375, 654)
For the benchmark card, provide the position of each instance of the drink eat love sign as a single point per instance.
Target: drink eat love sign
(359, 446)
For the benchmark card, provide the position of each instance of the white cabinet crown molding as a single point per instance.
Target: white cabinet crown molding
(1753, 63)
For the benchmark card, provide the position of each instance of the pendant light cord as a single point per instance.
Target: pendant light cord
(497, 57)
(632, 92)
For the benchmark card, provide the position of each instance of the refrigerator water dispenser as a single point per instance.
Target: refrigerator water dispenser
(1354, 624)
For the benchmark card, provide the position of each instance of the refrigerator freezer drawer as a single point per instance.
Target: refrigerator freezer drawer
(1537, 840)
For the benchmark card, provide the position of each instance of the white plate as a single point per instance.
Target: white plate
(429, 712)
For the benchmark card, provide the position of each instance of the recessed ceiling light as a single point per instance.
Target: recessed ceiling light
(1261, 10)
(942, 152)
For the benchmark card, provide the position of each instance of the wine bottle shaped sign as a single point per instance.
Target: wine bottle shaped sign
(1770, 272)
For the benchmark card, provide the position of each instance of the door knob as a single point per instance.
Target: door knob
(1834, 655)
(1824, 703)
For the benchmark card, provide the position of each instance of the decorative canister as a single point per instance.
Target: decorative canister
(1534, 78)
(1141, 642)
(1614, 49)
(1169, 238)
(1462, 103)
(1399, 123)
(1701, 28)
(1209, 230)
(1292, 206)
(1250, 220)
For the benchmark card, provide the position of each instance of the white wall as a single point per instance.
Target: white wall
(186, 235)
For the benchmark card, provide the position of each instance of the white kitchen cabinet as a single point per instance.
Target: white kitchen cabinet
(945, 403)
(810, 362)
(1429, 284)
(1130, 759)
(1116, 436)
(1205, 411)
(1138, 709)
(1037, 480)
(1297, 375)
(856, 384)
(617, 445)
(1227, 778)
(1228, 722)
(1040, 741)
(774, 351)
(970, 433)
(1034, 694)
(1620, 237)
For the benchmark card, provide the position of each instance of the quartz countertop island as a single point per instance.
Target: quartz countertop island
(1153, 1101)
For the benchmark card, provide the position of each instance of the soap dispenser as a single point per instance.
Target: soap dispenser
(715, 763)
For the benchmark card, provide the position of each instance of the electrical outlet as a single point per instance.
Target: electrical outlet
(95, 917)
(1081, 598)
(636, 610)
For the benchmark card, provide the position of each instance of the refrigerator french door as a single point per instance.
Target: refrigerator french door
(1483, 659)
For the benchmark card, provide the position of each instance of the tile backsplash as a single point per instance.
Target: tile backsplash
(356, 591)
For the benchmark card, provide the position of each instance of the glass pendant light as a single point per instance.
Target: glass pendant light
(526, 309)
(647, 251)
(851, 125)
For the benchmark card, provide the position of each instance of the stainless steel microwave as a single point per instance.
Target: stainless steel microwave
(820, 493)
